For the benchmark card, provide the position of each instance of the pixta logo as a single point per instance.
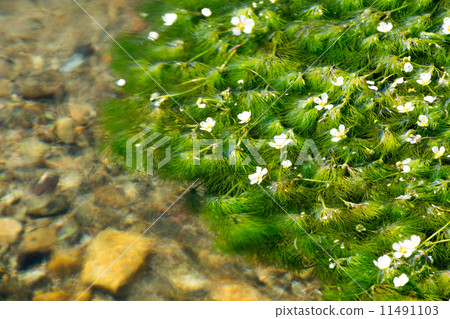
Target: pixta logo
(140, 150)
(145, 144)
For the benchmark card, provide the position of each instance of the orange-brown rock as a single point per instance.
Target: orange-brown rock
(40, 240)
(65, 263)
(51, 296)
(9, 231)
(108, 265)
(235, 292)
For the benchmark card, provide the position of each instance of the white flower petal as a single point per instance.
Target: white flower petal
(236, 31)
(235, 21)
(206, 12)
(248, 29)
(401, 280)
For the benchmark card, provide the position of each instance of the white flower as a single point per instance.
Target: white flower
(405, 109)
(413, 139)
(446, 26)
(338, 134)
(372, 86)
(153, 35)
(332, 265)
(121, 82)
(200, 103)
(339, 81)
(404, 248)
(403, 165)
(280, 141)
(408, 67)
(153, 96)
(423, 121)
(286, 163)
(242, 24)
(384, 27)
(206, 12)
(322, 102)
(425, 78)
(415, 241)
(429, 98)
(241, 81)
(169, 18)
(207, 125)
(401, 280)
(407, 196)
(383, 262)
(244, 117)
(258, 176)
(438, 152)
(398, 81)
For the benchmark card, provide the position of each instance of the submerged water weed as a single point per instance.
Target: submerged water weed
(363, 84)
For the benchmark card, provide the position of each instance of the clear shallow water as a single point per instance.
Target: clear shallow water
(66, 210)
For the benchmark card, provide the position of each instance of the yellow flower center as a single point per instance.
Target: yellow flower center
(438, 154)
(403, 250)
(341, 135)
(424, 123)
(241, 25)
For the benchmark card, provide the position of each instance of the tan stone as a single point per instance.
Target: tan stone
(65, 263)
(110, 196)
(190, 282)
(234, 292)
(9, 231)
(64, 129)
(82, 295)
(106, 264)
(50, 296)
(81, 112)
(38, 241)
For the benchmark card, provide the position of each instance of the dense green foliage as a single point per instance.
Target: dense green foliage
(336, 215)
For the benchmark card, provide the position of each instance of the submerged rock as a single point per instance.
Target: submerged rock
(235, 292)
(65, 127)
(107, 250)
(39, 85)
(47, 184)
(48, 205)
(36, 244)
(81, 112)
(9, 231)
(65, 263)
(191, 282)
(110, 196)
(58, 295)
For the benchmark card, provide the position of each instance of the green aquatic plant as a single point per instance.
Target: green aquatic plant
(319, 131)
